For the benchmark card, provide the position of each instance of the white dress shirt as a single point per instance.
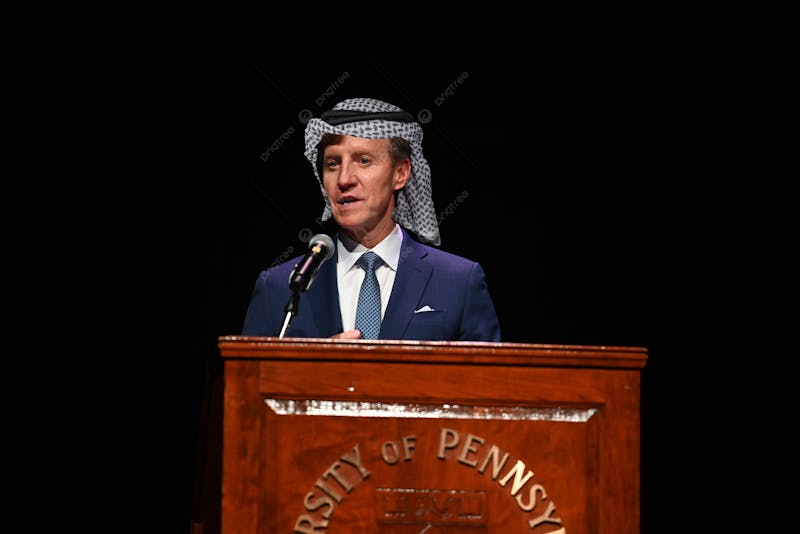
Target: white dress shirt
(350, 276)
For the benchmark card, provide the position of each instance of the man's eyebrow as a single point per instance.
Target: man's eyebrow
(356, 150)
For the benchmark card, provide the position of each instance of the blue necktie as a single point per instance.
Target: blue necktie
(368, 312)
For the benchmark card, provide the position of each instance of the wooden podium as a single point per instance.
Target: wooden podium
(413, 437)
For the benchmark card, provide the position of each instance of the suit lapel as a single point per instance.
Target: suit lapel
(412, 277)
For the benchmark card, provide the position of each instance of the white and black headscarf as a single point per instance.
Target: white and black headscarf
(374, 119)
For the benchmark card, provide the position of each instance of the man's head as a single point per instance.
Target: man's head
(391, 136)
(361, 178)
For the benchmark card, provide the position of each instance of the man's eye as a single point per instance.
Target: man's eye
(364, 160)
(331, 164)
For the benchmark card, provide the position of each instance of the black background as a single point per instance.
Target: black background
(575, 198)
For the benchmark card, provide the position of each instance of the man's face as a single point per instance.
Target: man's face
(360, 181)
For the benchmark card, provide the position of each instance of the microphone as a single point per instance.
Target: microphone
(320, 248)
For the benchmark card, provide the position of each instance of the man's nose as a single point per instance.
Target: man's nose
(347, 174)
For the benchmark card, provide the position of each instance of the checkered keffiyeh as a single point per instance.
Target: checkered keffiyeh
(414, 209)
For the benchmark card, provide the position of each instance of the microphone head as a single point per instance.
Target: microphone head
(323, 241)
(320, 249)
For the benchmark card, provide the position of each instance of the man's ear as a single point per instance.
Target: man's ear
(402, 172)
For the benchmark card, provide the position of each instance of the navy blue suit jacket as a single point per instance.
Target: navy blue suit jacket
(454, 287)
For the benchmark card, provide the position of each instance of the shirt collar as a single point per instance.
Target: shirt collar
(389, 249)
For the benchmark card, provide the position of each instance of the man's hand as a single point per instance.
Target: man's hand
(348, 334)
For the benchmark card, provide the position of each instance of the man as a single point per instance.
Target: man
(367, 156)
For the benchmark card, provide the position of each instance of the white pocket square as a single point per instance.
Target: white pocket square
(425, 308)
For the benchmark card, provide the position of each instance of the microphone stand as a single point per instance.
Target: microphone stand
(320, 249)
(291, 310)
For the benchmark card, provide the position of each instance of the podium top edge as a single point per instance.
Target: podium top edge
(236, 346)
(422, 343)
